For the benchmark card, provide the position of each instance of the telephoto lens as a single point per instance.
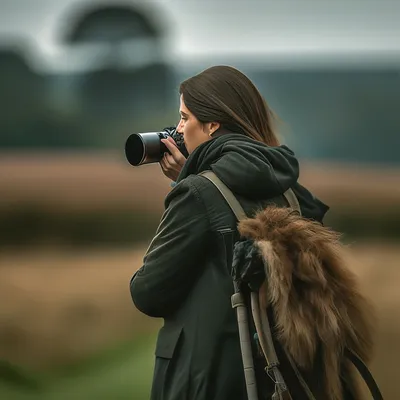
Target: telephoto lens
(147, 148)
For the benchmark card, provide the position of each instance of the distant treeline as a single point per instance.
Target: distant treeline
(35, 226)
(324, 114)
(96, 109)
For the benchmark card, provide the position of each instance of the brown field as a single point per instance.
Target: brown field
(80, 181)
(95, 180)
(56, 307)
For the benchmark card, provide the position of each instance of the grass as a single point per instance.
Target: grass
(120, 373)
(60, 310)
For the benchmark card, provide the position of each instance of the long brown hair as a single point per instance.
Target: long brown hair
(224, 94)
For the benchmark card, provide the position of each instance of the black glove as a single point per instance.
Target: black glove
(247, 265)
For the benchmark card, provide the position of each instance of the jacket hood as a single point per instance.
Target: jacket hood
(251, 169)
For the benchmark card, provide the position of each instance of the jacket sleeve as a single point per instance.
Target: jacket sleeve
(173, 260)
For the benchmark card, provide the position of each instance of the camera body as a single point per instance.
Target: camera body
(147, 148)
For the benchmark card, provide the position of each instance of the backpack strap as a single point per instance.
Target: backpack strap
(227, 194)
(365, 373)
(233, 202)
(260, 319)
(292, 200)
(269, 349)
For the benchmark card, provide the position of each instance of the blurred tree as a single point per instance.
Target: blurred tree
(111, 24)
(116, 93)
(21, 98)
(131, 82)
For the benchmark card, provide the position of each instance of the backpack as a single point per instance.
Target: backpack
(296, 267)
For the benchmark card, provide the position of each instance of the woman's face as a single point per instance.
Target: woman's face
(194, 132)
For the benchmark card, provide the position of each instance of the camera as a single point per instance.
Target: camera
(147, 148)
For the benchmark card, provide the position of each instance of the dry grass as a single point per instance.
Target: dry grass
(80, 181)
(60, 306)
(56, 306)
(378, 266)
(95, 180)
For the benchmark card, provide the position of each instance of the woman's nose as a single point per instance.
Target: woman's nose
(179, 127)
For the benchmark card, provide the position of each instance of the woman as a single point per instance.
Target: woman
(228, 128)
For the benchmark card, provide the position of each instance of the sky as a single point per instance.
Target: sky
(211, 28)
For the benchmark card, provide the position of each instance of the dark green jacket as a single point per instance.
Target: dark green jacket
(186, 278)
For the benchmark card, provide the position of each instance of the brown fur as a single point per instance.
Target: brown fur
(313, 294)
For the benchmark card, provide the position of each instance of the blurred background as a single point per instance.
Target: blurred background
(78, 76)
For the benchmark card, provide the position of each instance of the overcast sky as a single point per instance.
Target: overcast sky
(207, 27)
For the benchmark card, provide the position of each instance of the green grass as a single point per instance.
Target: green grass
(116, 374)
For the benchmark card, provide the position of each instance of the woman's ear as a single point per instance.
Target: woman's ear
(212, 127)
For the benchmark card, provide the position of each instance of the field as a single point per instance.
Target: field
(68, 319)
(62, 309)
(67, 323)
(94, 180)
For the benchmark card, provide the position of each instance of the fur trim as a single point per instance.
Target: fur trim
(313, 293)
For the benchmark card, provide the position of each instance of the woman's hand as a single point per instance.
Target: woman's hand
(171, 164)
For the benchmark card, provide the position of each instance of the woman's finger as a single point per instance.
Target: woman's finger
(171, 161)
(169, 164)
(165, 164)
(168, 170)
(175, 153)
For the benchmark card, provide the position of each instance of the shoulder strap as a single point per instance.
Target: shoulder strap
(228, 195)
(292, 200)
(365, 373)
(233, 202)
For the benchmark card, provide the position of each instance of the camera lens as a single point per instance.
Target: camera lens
(135, 149)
